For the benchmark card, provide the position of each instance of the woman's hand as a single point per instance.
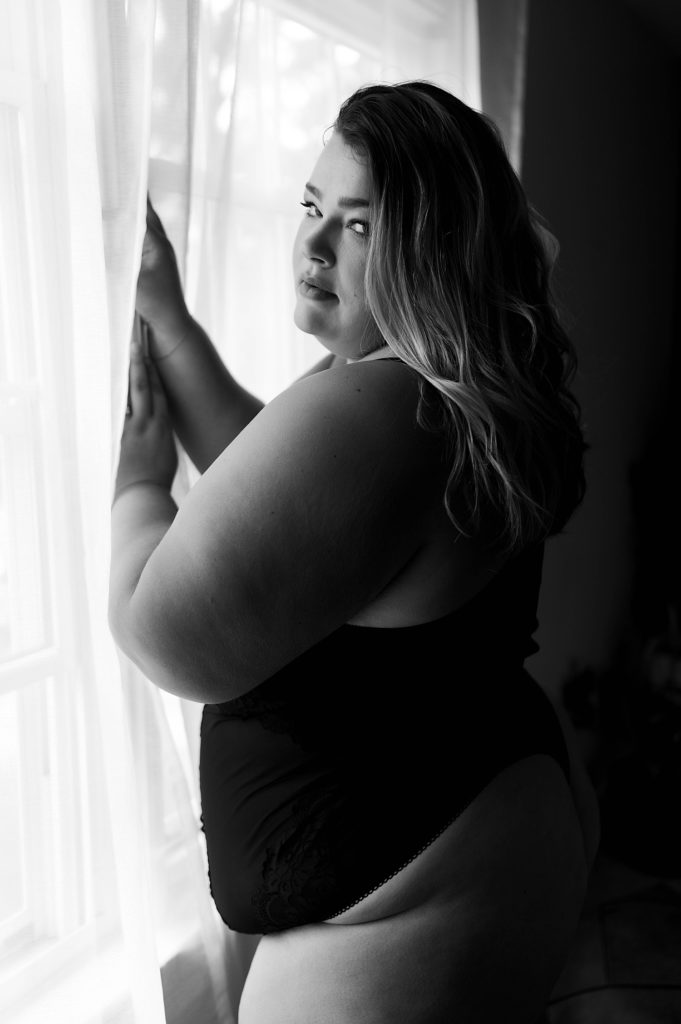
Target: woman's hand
(160, 300)
(148, 452)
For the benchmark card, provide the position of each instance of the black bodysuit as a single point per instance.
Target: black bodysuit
(328, 778)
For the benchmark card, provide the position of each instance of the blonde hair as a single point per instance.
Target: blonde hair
(458, 283)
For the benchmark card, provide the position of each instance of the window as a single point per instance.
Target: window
(47, 779)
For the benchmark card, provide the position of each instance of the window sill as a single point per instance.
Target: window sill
(79, 981)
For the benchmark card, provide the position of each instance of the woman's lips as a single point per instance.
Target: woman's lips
(314, 292)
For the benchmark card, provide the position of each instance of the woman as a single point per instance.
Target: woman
(350, 587)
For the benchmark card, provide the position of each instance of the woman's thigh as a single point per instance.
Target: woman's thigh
(484, 946)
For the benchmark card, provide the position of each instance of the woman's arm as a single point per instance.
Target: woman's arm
(142, 509)
(208, 408)
(300, 522)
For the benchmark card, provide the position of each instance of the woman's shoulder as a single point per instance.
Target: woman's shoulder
(370, 402)
(386, 373)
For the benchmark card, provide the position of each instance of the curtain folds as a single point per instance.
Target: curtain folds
(104, 161)
(144, 931)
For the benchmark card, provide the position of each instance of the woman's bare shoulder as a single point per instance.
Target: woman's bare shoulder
(380, 395)
(323, 364)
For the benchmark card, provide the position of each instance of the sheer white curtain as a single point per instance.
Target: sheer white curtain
(218, 107)
(105, 914)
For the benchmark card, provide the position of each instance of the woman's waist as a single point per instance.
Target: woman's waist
(279, 743)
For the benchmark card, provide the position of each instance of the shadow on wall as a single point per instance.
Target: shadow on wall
(629, 717)
(624, 965)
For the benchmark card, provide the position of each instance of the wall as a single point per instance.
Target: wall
(600, 160)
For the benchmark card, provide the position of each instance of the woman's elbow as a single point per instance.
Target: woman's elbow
(136, 642)
(166, 655)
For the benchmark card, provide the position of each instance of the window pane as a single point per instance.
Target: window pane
(23, 553)
(17, 350)
(12, 847)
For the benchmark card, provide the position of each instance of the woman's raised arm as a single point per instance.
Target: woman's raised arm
(208, 408)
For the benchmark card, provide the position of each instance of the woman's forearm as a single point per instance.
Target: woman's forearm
(141, 515)
(208, 407)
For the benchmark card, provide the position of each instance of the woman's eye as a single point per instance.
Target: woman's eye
(310, 209)
(358, 227)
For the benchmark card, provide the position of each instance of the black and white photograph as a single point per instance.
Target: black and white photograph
(340, 515)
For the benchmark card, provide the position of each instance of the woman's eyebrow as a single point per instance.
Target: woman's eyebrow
(344, 201)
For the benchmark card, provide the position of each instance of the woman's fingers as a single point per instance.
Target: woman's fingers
(146, 395)
(143, 335)
(158, 396)
(141, 401)
(147, 444)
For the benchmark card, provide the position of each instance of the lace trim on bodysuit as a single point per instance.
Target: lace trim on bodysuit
(298, 872)
(401, 867)
(277, 713)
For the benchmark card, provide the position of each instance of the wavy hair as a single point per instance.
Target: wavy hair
(458, 283)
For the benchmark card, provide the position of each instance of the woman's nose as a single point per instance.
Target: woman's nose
(318, 244)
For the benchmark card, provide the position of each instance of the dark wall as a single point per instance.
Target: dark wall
(600, 160)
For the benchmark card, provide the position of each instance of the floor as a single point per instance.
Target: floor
(625, 964)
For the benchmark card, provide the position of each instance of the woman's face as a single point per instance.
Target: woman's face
(330, 252)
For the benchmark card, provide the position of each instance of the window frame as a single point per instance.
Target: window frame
(46, 672)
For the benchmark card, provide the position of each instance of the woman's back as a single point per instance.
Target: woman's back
(445, 569)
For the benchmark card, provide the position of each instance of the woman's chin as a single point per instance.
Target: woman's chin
(306, 321)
